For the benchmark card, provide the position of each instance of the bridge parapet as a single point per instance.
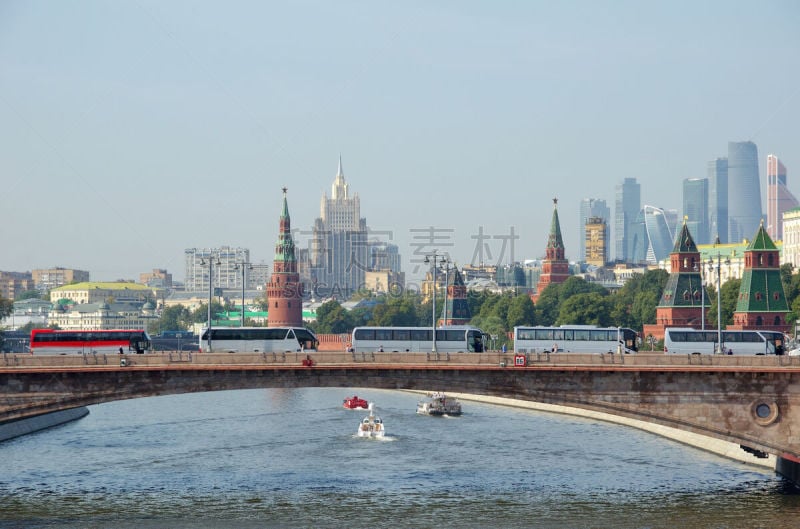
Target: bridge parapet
(322, 358)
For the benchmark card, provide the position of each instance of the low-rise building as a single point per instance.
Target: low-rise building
(104, 292)
(101, 316)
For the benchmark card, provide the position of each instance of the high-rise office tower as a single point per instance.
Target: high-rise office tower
(339, 245)
(660, 235)
(695, 208)
(592, 208)
(744, 191)
(225, 268)
(596, 241)
(626, 210)
(779, 198)
(718, 200)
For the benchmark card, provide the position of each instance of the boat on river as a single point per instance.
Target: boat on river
(372, 425)
(355, 403)
(439, 404)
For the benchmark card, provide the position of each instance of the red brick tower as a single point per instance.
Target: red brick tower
(284, 290)
(555, 268)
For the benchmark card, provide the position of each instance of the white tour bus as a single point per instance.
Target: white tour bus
(574, 339)
(449, 339)
(687, 341)
(257, 340)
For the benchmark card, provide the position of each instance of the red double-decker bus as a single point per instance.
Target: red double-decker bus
(52, 342)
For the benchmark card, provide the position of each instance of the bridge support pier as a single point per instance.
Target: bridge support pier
(11, 429)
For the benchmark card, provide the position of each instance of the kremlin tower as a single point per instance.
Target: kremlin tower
(284, 290)
(683, 302)
(555, 268)
(762, 302)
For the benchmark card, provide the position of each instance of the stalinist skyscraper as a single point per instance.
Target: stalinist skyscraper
(339, 249)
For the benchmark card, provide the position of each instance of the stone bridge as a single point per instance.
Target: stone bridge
(752, 401)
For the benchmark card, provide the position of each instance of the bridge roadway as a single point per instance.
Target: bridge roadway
(750, 400)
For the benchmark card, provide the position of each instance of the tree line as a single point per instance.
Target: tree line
(576, 301)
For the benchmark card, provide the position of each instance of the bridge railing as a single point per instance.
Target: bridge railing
(322, 358)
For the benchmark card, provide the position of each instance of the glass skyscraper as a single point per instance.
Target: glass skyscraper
(626, 210)
(718, 200)
(744, 191)
(695, 208)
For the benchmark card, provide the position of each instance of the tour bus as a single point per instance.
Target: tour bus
(575, 339)
(450, 339)
(53, 342)
(257, 340)
(687, 341)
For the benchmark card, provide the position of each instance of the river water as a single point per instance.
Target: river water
(290, 458)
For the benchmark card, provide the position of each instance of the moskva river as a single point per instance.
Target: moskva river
(290, 458)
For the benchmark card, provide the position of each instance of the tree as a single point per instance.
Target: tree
(520, 312)
(332, 318)
(174, 318)
(547, 305)
(493, 326)
(6, 307)
(729, 294)
(200, 314)
(33, 294)
(589, 308)
(634, 305)
(397, 311)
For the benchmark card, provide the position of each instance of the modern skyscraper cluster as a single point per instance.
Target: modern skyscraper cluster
(723, 207)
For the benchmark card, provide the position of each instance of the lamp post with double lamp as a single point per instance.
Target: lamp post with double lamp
(210, 264)
(699, 268)
(447, 269)
(244, 266)
(718, 266)
(434, 261)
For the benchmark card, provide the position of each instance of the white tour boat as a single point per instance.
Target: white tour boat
(372, 425)
(439, 404)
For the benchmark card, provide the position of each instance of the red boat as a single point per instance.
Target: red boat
(354, 403)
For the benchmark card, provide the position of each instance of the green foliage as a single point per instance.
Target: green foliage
(547, 305)
(521, 311)
(729, 294)
(635, 303)
(33, 294)
(587, 308)
(332, 318)
(6, 307)
(493, 325)
(397, 311)
(200, 314)
(174, 318)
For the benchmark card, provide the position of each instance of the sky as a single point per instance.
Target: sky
(130, 131)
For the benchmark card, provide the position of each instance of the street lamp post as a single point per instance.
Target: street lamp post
(434, 261)
(702, 297)
(210, 293)
(446, 285)
(243, 266)
(718, 267)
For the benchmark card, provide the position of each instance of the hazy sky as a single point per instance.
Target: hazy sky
(130, 131)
